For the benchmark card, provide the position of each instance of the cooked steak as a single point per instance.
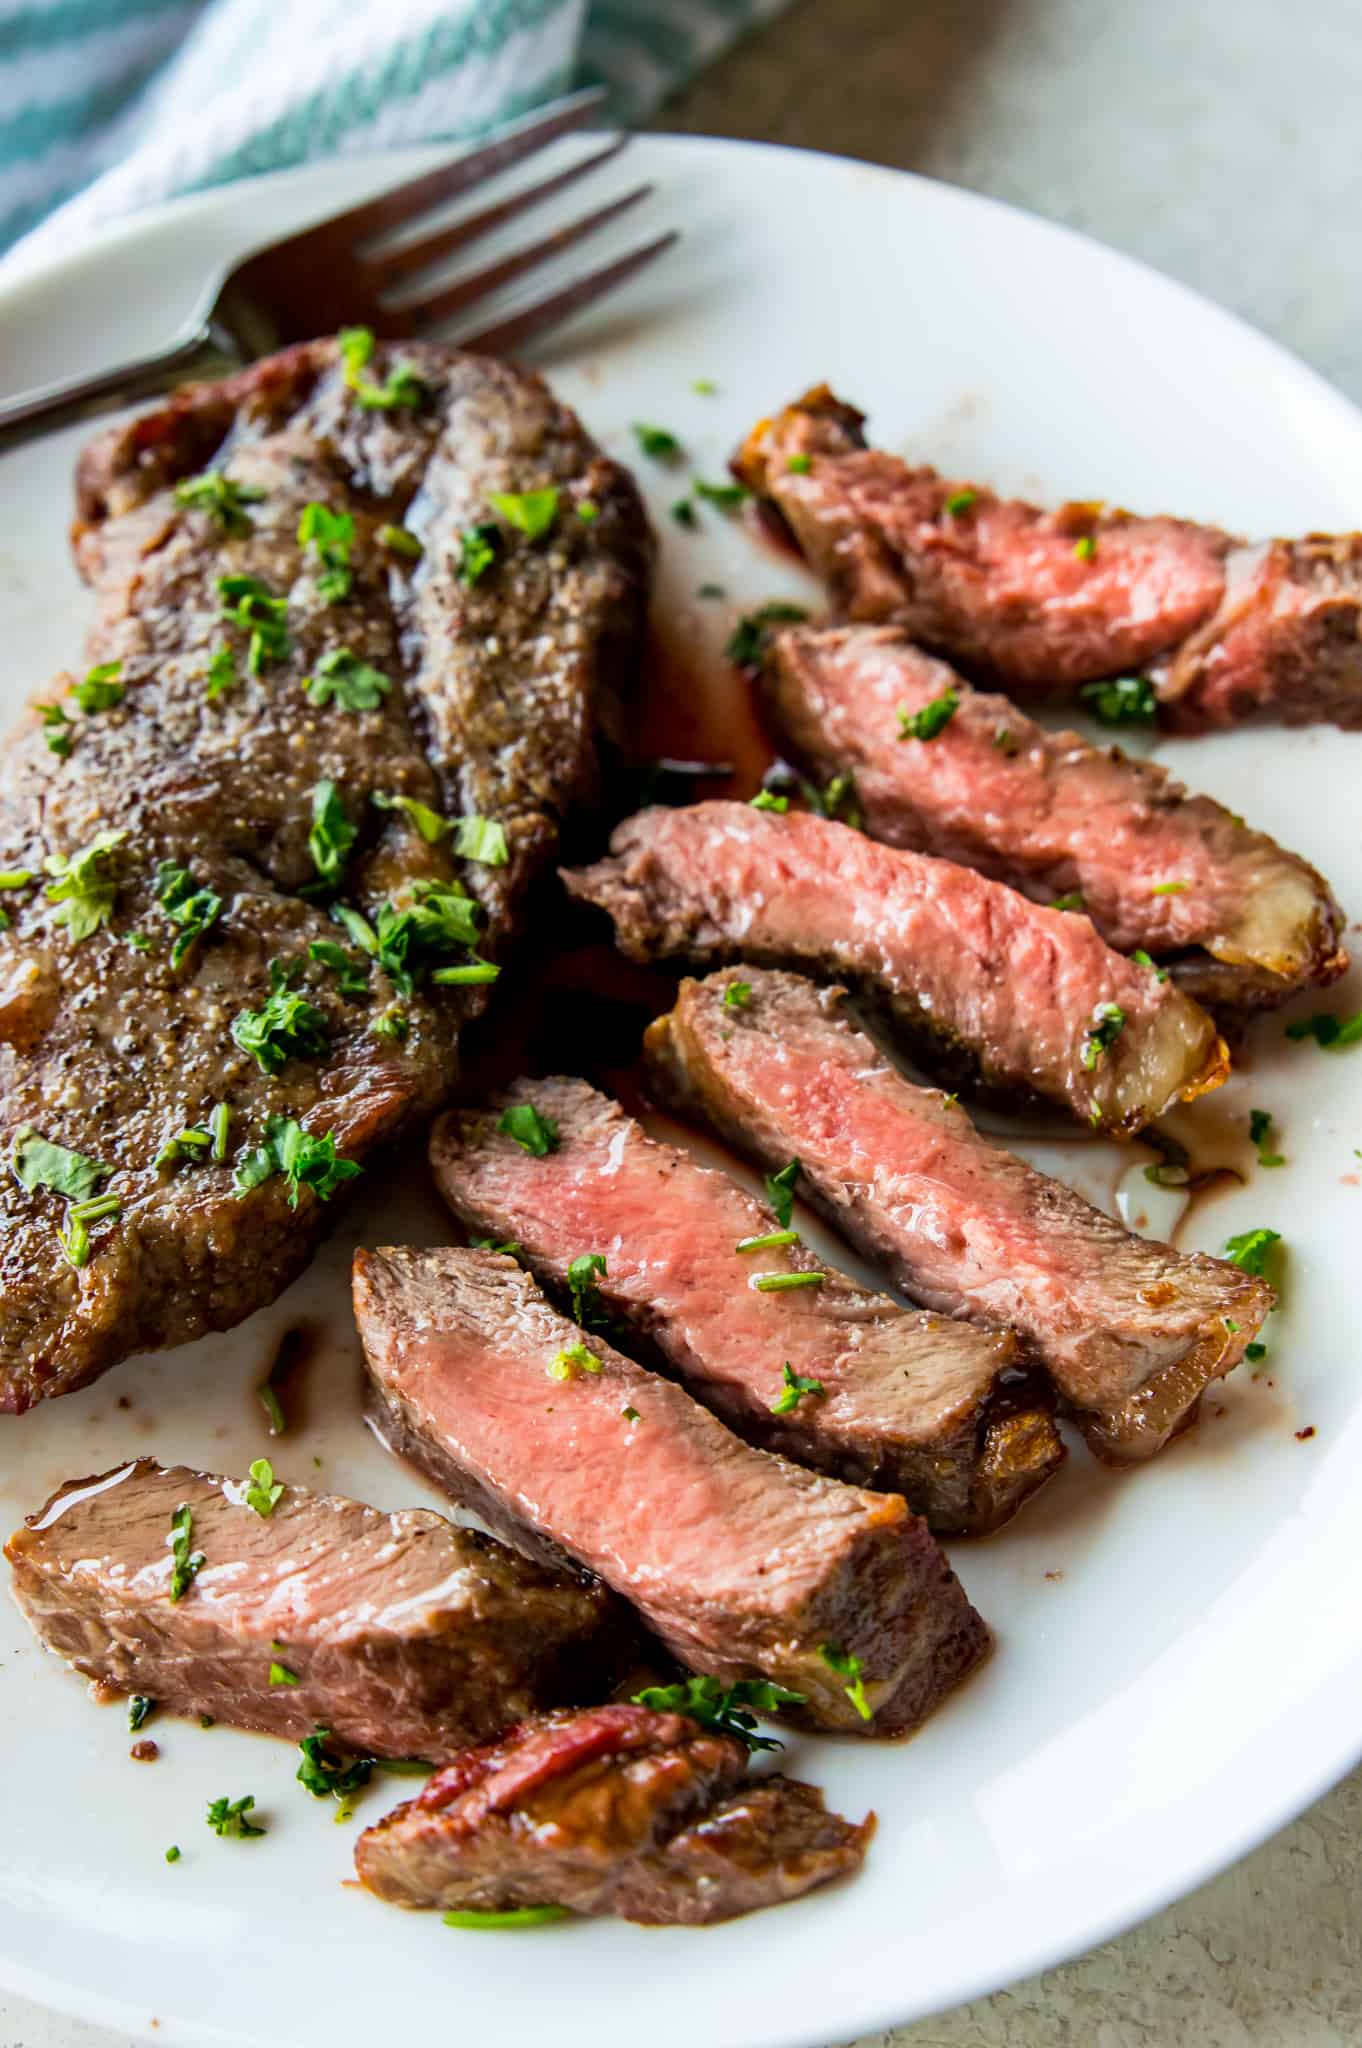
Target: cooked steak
(744, 1565)
(1129, 1331)
(617, 1810)
(1179, 877)
(403, 1635)
(893, 1398)
(1043, 602)
(235, 773)
(984, 985)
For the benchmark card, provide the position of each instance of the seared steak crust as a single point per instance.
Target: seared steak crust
(1053, 815)
(1042, 602)
(403, 1635)
(493, 692)
(985, 985)
(744, 1565)
(1130, 1331)
(911, 1403)
(617, 1810)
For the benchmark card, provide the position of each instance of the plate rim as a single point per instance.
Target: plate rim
(28, 278)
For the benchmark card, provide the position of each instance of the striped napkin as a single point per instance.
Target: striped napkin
(109, 105)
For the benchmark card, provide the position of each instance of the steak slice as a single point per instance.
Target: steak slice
(910, 1403)
(402, 1634)
(1043, 602)
(377, 677)
(619, 1810)
(1245, 923)
(744, 1565)
(984, 985)
(1129, 1331)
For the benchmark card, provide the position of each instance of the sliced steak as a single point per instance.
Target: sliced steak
(985, 985)
(1042, 602)
(1179, 877)
(618, 1810)
(744, 1565)
(907, 1402)
(368, 672)
(1129, 1331)
(403, 1635)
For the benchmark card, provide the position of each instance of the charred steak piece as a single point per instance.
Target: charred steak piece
(1043, 602)
(1240, 921)
(1129, 1331)
(985, 985)
(321, 638)
(403, 1635)
(744, 1565)
(893, 1398)
(616, 1810)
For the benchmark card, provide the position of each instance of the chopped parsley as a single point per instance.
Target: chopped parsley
(479, 547)
(575, 1359)
(1329, 1031)
(933, 717)
(532, 1132)
(1108, 1022)
(440, 919)
(431, 826)
(794, 1390)
(658, 443)
(303, 1160)
(1168, 889)
(836, 800)
(281, 1675)
(705, 387)
(768, 1241)
(264, 1492)
(781, 1283)
(482, 839)
(191, 907)
(473, 973)
(848, 1667)
(219, 1123)
(286, 1026)
(16, 878)
(139, 1706)
(329, 536)
(727, 1709)
(228, 1817)
(172, 1854)
(587, 510)
(683, 512)
(529, 512)
(799, 465)
(58, 735)
(327, 1775)
(183, 1144)
(1073, 901)
(582, 1274)
(222, 675)
(37, 1163)
(403, 387)
(1085, 547)
(737, 995)
(188, 1563)
(1260, 1135)
(961, 501)
(75, 1239)
(343, 679)
(252, 607)
(1249, 1250)
(268, 1397)
(767, 800)
(84, 886)
(510, 1249)
(1123, 700)
(392, 1023)
(631, 1415)
(400, 540)
(728, 497)
(215, 493)
(99, 688)
(1142, 959)
(1254, 1352)
(1005, 741)
(350, 969)
(747, 642)
(332, 835)
(488, 1920)
(780, 1188)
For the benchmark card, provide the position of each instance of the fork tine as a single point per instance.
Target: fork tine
(516, 328)
(392, 265)
(446, 181)
(454, 298)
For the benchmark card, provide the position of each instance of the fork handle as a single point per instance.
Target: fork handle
(204, 351)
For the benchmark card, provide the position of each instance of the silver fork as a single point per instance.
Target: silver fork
(330, 275)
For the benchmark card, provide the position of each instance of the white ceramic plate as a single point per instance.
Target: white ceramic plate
(1179, 1654)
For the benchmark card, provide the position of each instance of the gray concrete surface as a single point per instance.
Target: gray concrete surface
(1219, 140)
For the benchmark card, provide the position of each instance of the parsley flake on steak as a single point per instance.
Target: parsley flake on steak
(215, 493)
(286, 1026)
(332, 835)
(84, 886)
(343, 679)
(725, 1708)
(303, 1160)
(189, 905)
